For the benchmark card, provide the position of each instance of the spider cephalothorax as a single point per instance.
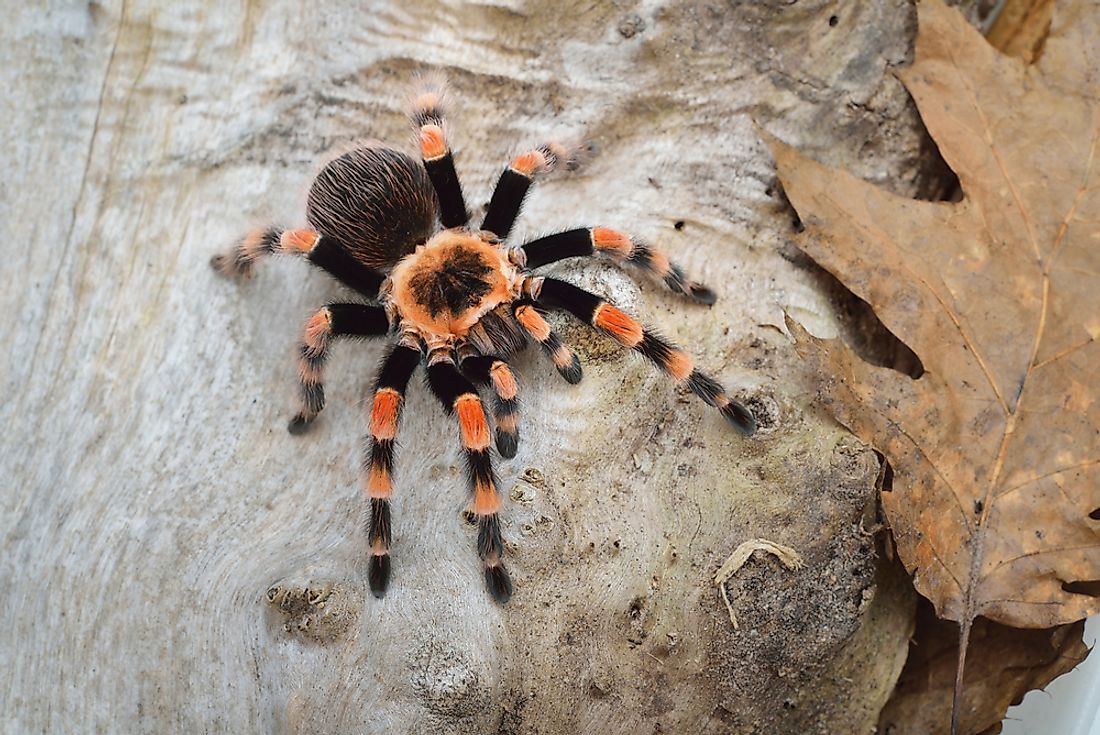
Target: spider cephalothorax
(450, 282)
(456, 300)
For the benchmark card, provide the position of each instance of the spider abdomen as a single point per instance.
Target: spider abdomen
(376, 202)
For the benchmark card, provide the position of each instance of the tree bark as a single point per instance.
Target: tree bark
(173, 559)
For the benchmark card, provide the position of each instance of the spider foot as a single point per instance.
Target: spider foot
(300, 424)
(569, 367)
(379, 575)
(499, 583)
(507, 443)
(231, 267)
(702, 294)
(740, 416)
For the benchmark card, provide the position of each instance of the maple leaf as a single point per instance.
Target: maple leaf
(995, 449)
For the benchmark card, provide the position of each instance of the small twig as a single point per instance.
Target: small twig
(786, 555)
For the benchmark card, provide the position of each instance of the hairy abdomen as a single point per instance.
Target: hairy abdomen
(378, 203)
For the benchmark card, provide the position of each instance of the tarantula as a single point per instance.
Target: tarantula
(456, 299)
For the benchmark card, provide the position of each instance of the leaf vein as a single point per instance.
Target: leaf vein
(1037, 552)
(1045, 475)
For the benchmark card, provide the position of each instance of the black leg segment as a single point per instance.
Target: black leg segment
(506, 202)
(330, 256)
(452, 205)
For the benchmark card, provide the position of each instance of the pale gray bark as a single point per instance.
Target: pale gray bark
(153, 500)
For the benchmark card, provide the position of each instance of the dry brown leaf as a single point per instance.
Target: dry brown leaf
(1021, 28)
(996, 448)
(1005, 664)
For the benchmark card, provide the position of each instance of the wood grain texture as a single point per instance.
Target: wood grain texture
(173, 559)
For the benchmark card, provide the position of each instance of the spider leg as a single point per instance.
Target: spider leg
(628, 332)
(459, 397)
(323, 252)
(620, 247)
(331, 321)
(513, 184)
(430, 121)
(496, 372)
(377, 483)
(564, 359)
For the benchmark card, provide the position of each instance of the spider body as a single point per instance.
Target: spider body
(457, 301)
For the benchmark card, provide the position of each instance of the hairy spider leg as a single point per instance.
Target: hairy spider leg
(512, 186)
(330, 322)
(323, 252)
(564, 359)
(389, 395)
(621, 248)
(431, 124)
(628, 332)
(492, 370)
(459, 398)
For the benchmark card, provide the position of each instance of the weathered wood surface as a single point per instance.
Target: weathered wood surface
(153, 501)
